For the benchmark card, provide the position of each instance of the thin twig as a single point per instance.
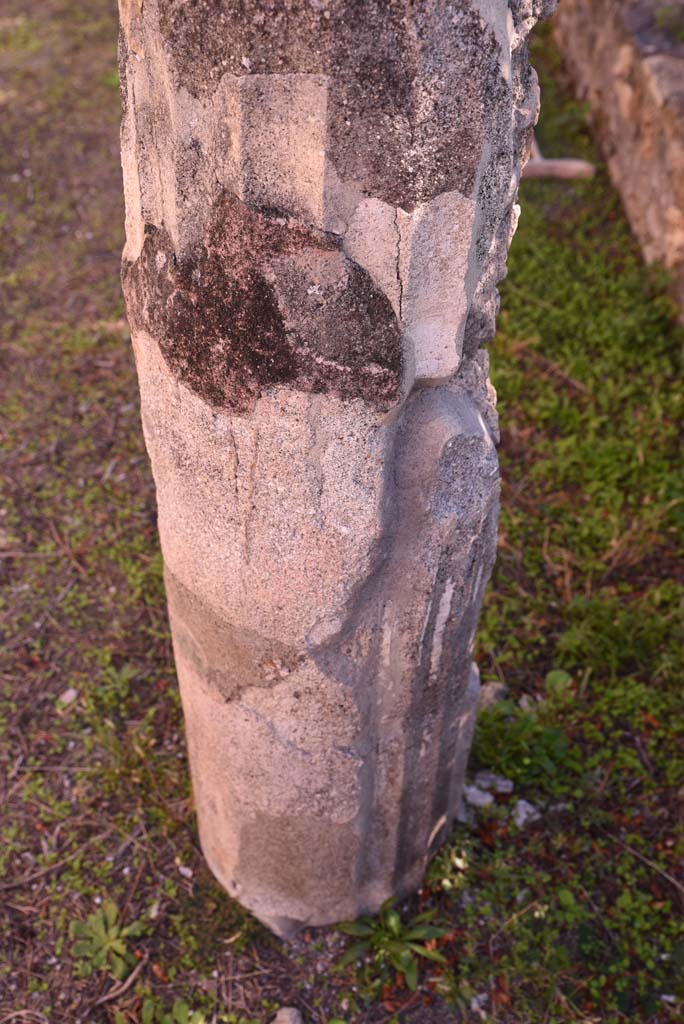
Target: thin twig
(560, 167)
(24, 1013)
(33, 554)
(26, 636)
(27, 879)
(520, 913)
(124, 986)
(600, 918)
(134, 886)
(60, 768)
(64, 546)
(646, 860)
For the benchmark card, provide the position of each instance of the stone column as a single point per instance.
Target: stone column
(320, 195)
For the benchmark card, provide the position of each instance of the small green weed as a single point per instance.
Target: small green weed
(670, 19)
(180, 1013)
(114, 686)
(391, 943)
(153, 1012)
(19, 35)
(111, 78)
(527, 747)
(102, 941)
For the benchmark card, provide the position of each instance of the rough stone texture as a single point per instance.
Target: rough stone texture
(320, 196)
(627, 59)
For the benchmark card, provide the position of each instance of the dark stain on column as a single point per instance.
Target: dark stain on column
(265, 300)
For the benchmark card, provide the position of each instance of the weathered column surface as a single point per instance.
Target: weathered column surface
(320, 195)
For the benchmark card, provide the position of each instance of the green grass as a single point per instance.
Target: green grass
(575, 917)
(579, 916)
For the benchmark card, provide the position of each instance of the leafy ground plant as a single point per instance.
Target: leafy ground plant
(180, 1013)
(102, 941)
(391, 943)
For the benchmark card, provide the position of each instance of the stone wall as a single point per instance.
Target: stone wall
(626, 58)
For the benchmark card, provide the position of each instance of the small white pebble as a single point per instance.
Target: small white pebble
(185, 871)
(288, 1015)
(497, 783)
(524, 813)
(478, 797)
(490, 694)
(69, 696)
(477, 1005)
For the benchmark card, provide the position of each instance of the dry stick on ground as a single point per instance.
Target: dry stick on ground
(627, 541)
(646, 860)
(25, 1015)
(64, 546)
(132, 888)
(33, 554)
(38, 625)
(562, 167)
(124, 986)
(515, 917)
(27, 879)
(526, 346)
(601, 919)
